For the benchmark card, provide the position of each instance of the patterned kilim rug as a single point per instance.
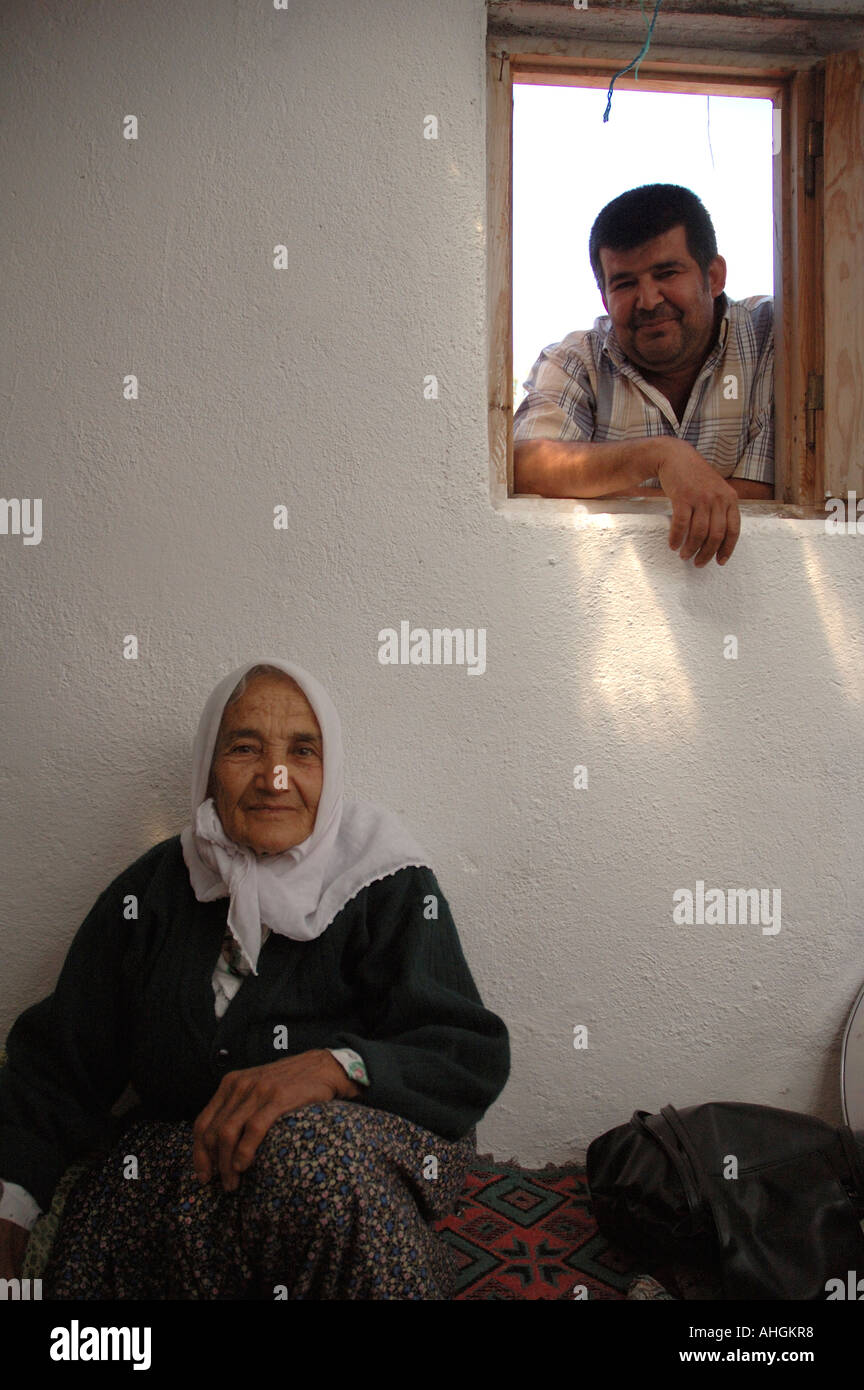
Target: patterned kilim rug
(528, 1233)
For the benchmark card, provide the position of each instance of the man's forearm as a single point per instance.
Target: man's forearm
(562, 468)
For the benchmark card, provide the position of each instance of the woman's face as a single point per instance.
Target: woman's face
(268, 766)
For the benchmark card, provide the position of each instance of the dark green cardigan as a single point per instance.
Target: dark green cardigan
(134, 1004)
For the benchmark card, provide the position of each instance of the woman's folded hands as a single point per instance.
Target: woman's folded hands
(229, 1130)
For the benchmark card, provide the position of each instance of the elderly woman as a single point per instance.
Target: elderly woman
(284, 990)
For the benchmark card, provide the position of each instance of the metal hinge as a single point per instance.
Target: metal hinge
(812, 152)
(815, 401)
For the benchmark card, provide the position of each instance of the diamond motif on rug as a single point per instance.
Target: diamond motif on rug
(522, 1233)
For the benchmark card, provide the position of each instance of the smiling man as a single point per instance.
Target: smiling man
(672, 389)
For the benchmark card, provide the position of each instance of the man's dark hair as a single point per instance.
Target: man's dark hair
(642, 213)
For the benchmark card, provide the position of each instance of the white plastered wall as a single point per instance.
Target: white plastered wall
(304, 387)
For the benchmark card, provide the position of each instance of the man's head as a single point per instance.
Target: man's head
(643, 213)
(654, 255)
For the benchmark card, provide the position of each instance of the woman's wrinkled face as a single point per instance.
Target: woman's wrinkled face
(268, 766)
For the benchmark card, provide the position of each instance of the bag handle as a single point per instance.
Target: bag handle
(649, 1124)
(676, 1124)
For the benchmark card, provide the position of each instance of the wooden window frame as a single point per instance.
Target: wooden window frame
(798, 91)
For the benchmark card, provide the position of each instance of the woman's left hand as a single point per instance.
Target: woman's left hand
(229, 1129)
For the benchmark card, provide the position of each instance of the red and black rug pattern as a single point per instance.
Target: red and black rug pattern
(528, 1233)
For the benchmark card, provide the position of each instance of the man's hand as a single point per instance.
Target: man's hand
(13, 1246)
(229, 1129)
(705, 516)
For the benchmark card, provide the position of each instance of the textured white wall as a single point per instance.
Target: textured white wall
(304, 387)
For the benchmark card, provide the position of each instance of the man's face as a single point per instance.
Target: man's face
(661, 309)
(271, 726)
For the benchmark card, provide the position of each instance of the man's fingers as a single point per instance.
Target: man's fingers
(715, 537)
(699, 526)
(681, 514)
(733, 531)
(705, 516)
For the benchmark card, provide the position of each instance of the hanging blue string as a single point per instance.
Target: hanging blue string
(649, 26)
(637, 60)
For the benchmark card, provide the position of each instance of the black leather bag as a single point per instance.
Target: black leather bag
(782, 1228)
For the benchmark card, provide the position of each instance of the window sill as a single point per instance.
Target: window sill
(634, 514)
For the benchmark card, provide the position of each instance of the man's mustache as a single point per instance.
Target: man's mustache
(646, 319)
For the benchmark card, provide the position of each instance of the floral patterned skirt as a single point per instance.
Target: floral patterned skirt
(337, 1204)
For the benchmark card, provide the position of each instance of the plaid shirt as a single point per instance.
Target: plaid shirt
(585, 389)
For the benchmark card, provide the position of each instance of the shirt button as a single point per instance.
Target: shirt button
(223, 1052)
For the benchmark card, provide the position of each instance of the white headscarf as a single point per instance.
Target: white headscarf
(299, 892)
